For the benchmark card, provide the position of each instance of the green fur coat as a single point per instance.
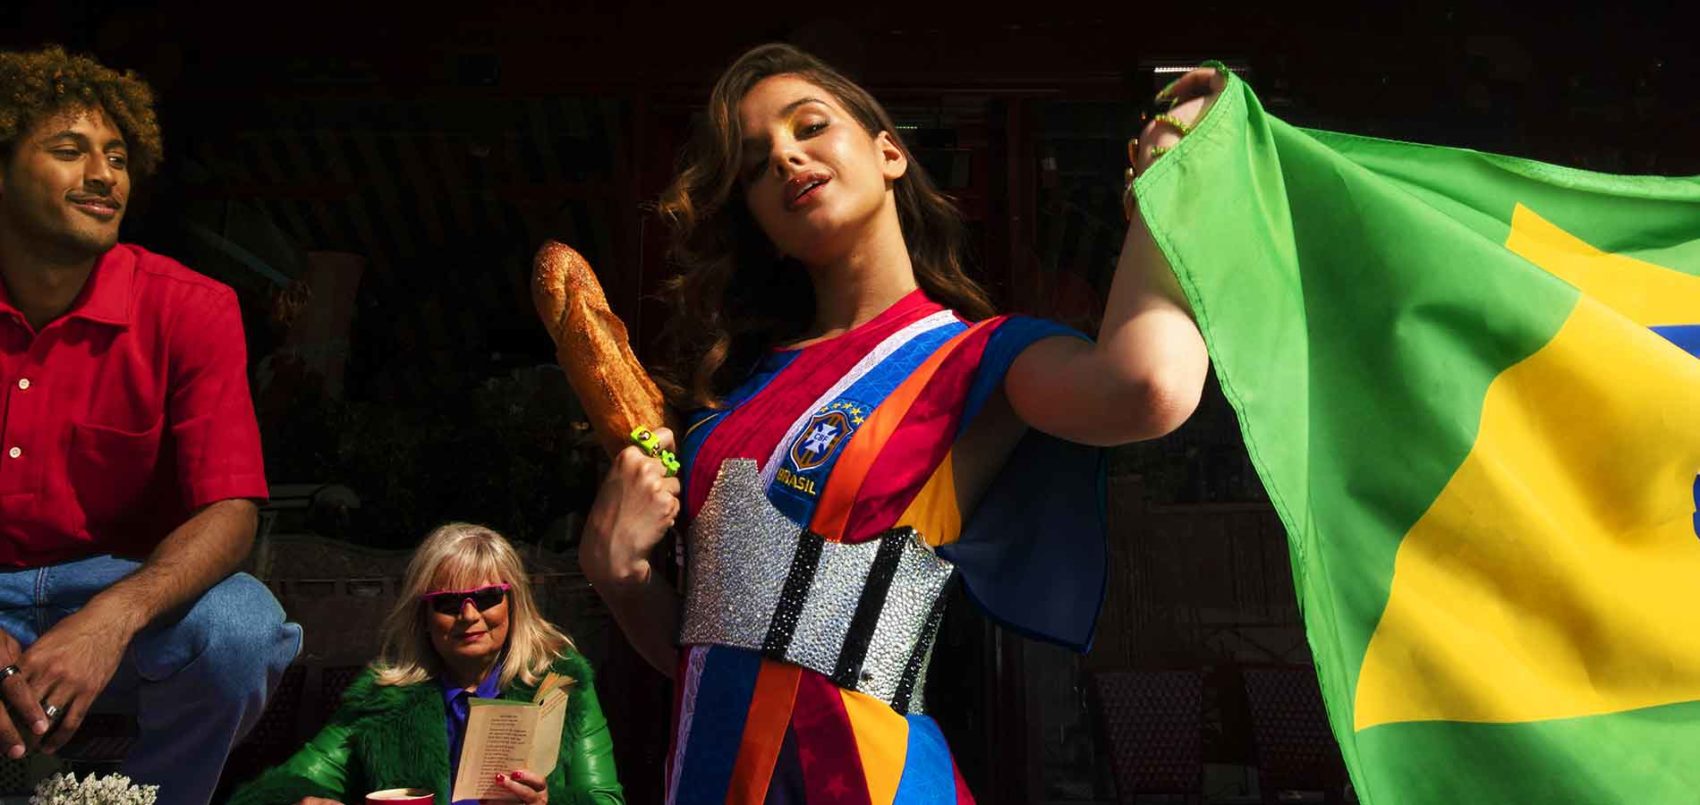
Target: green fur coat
(394, 737)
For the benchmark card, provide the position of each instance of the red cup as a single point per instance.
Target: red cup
(400, 796)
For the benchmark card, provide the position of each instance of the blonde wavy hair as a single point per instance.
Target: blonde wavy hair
(457, 556)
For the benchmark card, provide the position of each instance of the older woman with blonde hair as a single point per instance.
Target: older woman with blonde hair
(464, 626)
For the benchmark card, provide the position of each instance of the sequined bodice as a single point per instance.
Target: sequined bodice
(864, 614)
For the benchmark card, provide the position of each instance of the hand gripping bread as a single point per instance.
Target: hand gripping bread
(591, 345)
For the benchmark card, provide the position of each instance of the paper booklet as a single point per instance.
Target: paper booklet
(503, 736)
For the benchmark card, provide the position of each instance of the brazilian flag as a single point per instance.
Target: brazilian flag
(1470, 384)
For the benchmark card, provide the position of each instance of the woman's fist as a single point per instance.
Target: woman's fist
(635, 506)
(1192, 94)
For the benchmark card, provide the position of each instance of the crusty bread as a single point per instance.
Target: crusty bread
(591, 345)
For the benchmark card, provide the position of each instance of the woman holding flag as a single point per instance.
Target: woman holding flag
(861, 432)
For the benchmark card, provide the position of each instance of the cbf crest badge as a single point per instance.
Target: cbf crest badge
(802, 473)
(824, 433)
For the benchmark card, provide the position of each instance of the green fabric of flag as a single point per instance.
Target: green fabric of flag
(1469, 383)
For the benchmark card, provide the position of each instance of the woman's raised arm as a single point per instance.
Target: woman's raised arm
(1143, 377)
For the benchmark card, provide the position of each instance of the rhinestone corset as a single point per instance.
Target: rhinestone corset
(864, 615)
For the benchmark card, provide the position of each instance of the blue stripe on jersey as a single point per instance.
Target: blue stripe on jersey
(717, 727)
(928, 774)
(796, 490)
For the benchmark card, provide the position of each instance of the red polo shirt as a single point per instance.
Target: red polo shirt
(124, 415)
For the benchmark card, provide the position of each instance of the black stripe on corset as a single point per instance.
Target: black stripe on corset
(804, 561)
(905, 692)
(847, 672)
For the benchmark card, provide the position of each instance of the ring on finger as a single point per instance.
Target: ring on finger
(52, 711)
(647, 440)
(670, 462)
(9, 672)
(1176, 123)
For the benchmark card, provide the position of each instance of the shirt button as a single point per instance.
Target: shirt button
(24, 383)
(14, 452)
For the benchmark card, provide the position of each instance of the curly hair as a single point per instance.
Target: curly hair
(37, 85)
(736, 296)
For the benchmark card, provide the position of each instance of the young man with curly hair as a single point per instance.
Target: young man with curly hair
(129, 454)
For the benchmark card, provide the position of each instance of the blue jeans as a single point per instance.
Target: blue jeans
(196, 680)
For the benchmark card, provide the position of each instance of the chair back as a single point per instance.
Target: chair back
(1295, 748)
(1152, 723)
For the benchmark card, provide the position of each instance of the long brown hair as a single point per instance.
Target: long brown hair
(737, 296)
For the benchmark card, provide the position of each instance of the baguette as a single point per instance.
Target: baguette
(592, 347)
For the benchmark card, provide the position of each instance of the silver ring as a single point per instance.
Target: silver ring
(8, 672)
(51, 711)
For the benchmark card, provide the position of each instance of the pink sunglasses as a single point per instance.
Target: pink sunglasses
(450, 602)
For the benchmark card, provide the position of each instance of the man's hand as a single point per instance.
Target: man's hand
(71, 664)
(22, 708)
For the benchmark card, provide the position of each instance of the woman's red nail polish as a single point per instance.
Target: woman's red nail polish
(501, 777)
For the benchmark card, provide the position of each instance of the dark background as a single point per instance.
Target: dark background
(441, 143)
